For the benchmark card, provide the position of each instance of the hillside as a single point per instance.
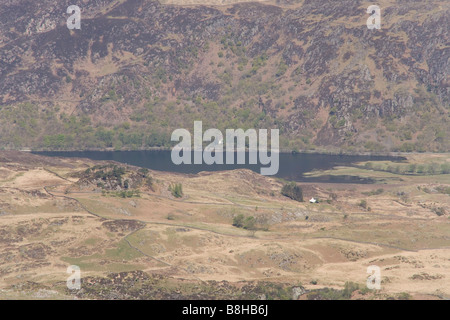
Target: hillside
(133, 238)
(139, 69)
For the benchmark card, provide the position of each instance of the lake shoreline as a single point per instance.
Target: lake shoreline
(282, 151)
(290, 166)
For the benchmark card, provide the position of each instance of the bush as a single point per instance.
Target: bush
(404, 296)
(247, 223)
(238, 221)
(373, 193)
(440, 211)
(363, 204)
(333, 294)
(445, 168)
(122, 193)
(282, 67)
(350, 287)
(293, 191)
(143, 171)
(177, 190)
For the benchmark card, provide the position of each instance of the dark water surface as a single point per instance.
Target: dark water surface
(292, 166)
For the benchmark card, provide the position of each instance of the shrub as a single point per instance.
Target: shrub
(445, 168)
(440, 211)
(333, 294)
(122, 194)
(373, 193)
(177, 190)
(404, 296)
(349, 288)
(143, 171)
(248, 223)
(363, 204)
(293, 191)
(238, 221)
(412, 168)
(282, 67)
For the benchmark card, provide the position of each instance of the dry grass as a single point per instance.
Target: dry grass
(43, 234)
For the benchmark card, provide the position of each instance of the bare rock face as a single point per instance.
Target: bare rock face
(139, 69)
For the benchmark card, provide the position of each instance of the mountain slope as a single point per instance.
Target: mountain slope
(138, 69)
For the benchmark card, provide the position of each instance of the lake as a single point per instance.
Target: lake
(292, 165)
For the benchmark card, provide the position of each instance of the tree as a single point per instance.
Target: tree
(238, 221)
(293, 191)
(249, 223)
